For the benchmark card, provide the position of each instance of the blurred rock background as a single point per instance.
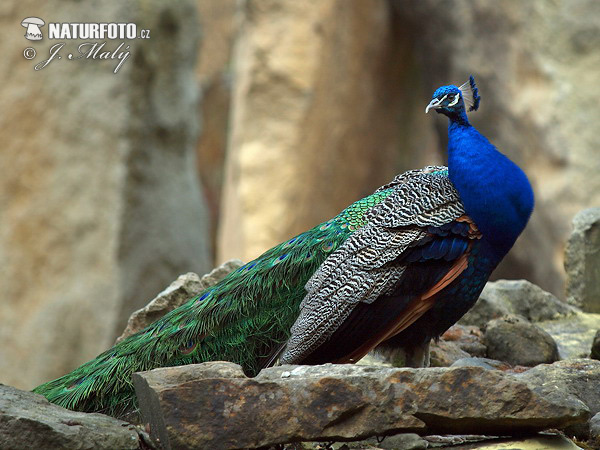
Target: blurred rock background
(241, 123)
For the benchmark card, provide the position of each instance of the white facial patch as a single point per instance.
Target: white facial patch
(455, 101)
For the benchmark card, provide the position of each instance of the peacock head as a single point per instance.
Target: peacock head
(452, 101)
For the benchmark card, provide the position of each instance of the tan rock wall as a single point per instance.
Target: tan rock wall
(100, 208)
(319, 90)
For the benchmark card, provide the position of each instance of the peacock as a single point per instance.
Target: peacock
(395, 269)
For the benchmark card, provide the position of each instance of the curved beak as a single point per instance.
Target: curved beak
(432, 105)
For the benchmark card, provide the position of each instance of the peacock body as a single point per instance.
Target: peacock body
(396, 268)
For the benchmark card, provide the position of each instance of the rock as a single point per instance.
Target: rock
(221, 408)
(520, 297)
(375, 358)
(518, 342)
(468, 338)
(595, 430)
(403, 441)
(574, 335)
(179, 291)
(595, 353)
(317, 123)
(219, 25)
(486, 363)
(542, 441)
(582, 261)
(28, 420)
(443, 353)
(101, 206)
(575, 377)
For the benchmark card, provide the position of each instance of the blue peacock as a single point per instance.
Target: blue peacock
(395, 269)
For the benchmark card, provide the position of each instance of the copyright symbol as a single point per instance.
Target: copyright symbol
(29, 53)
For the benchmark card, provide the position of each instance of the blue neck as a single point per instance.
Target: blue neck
(494, 190)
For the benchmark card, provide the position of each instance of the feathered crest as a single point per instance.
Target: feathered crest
(470, 94)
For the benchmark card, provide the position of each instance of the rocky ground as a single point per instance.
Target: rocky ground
(520, 370)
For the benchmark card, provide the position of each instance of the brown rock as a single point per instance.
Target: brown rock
(179, 291)
(518, 342)
(469, 338)
(443, 353)
(219, 26)
(320, 87)
(222, 409)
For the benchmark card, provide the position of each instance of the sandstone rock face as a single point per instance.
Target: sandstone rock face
(28, 420)
(100, 203)
(582, 261)
(179, 291)
(319, 91)
(518, 342)
(219, 25)
(221, 408)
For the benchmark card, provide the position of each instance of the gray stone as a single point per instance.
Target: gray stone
(595, 352)
(520, 297)
(486, 363)
(582, 261)
(221, 408)
(518, 342)
(574, 334)
(577, 378)
(595, 430)
(29, 421)
(179, 291)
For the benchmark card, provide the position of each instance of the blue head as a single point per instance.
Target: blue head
(453, 101)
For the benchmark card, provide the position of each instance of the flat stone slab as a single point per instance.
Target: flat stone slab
(29, 421)
(214, 405)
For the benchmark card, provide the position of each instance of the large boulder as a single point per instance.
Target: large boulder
(101, 207)
(518, 342)
(519, 297)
